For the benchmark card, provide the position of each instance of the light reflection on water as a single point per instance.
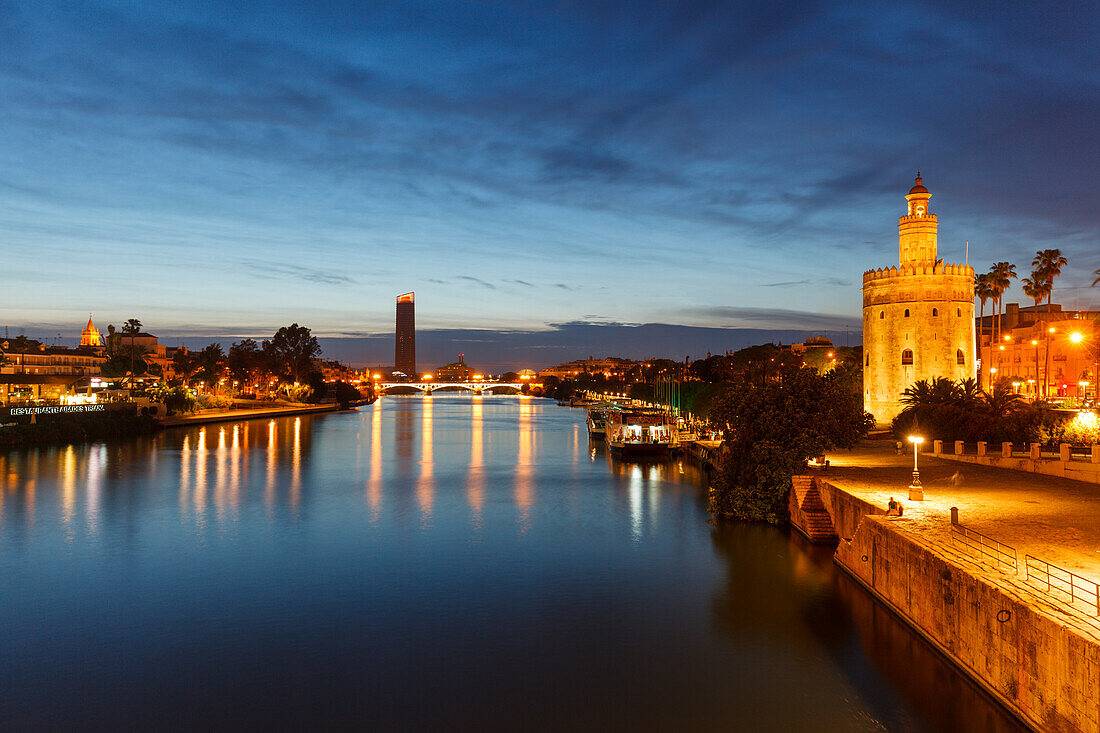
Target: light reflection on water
(469, 561)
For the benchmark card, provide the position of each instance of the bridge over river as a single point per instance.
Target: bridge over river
(429, 387)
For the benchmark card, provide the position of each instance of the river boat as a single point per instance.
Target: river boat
(597, 419)
(641, 433)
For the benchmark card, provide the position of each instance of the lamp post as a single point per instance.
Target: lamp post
(916, 491)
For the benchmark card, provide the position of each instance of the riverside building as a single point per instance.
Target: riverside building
(918, 317)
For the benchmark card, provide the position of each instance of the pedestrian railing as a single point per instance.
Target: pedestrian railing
(1063, 581)
(983, 547)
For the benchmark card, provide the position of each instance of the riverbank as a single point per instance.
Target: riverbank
(1036, 651)
(83, 429)
(232, 415)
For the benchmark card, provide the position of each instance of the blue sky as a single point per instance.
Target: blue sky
(223, 168)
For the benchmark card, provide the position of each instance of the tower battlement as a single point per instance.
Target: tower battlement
(938, 268)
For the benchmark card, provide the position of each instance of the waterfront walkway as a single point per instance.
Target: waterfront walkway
(232, 415)
(1052, 518)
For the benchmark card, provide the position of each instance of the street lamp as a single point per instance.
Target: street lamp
(916, 491)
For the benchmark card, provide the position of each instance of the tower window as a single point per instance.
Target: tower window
(868, 362)
(906, 312)
(959, 312)
(907, 357)
(881, 315)
(960, 357)
(935, 312)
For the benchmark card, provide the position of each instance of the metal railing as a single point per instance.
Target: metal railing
(985, 547)
(1062, 580)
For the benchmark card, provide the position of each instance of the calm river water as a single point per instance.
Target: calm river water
(451, 562)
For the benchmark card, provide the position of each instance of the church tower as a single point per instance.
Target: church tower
(91, 337)
(918, 317)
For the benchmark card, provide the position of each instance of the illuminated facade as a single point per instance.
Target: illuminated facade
(458, 371)
(918, 317)
(404, 348)
(1058, 348)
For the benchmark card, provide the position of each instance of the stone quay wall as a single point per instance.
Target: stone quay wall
(1024, 654)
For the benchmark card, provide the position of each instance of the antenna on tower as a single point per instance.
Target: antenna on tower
(968, 252)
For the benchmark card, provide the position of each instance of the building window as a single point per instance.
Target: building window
(959, 312)
(881, 315)
(935, 313)
(868, 362)
(906, 312)
(960, 357)
(907, 357)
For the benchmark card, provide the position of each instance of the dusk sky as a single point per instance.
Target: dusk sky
(222, 169)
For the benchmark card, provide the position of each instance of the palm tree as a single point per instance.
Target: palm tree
(132, 327)
(1002, 402)
(1001, 276)
(1097, 280)
(1050, 263)
(1036, 287)
(984, 291)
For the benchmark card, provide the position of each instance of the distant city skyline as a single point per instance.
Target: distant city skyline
(217, 170)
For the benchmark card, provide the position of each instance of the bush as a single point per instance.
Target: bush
(215, 401)
(950, 411)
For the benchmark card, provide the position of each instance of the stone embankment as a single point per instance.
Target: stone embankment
(1036, 653)
(232, 415)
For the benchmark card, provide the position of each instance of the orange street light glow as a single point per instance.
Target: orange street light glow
(1076, 337)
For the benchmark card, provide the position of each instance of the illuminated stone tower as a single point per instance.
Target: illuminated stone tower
(918, 318)
(91, 337)
(404, 348)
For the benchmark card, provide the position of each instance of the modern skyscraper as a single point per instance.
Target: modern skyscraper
(404, 348)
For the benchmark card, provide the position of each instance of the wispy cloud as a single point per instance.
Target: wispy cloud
(477, 280)
(276, 271)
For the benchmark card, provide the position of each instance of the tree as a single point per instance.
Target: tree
(1001, 276)
(244, 361)
(184, 365)
(983, 288)
(211, 363)
(1049, 263)
(294, 350)
(132, 327)
(1097, 280)
(772, 428)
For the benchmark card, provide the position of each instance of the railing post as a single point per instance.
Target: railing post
(1006, 449)
(954, 515)
(1065, 452)
(959, 447)
(937, 447)
(1035, 448)
(981, 447)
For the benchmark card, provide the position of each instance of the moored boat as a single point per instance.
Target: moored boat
(597, 419)
(632, 433)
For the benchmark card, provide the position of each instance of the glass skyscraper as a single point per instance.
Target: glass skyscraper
(404, 348)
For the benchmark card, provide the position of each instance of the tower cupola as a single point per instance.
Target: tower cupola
(917, 230)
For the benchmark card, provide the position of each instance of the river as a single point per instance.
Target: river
(444, 563)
